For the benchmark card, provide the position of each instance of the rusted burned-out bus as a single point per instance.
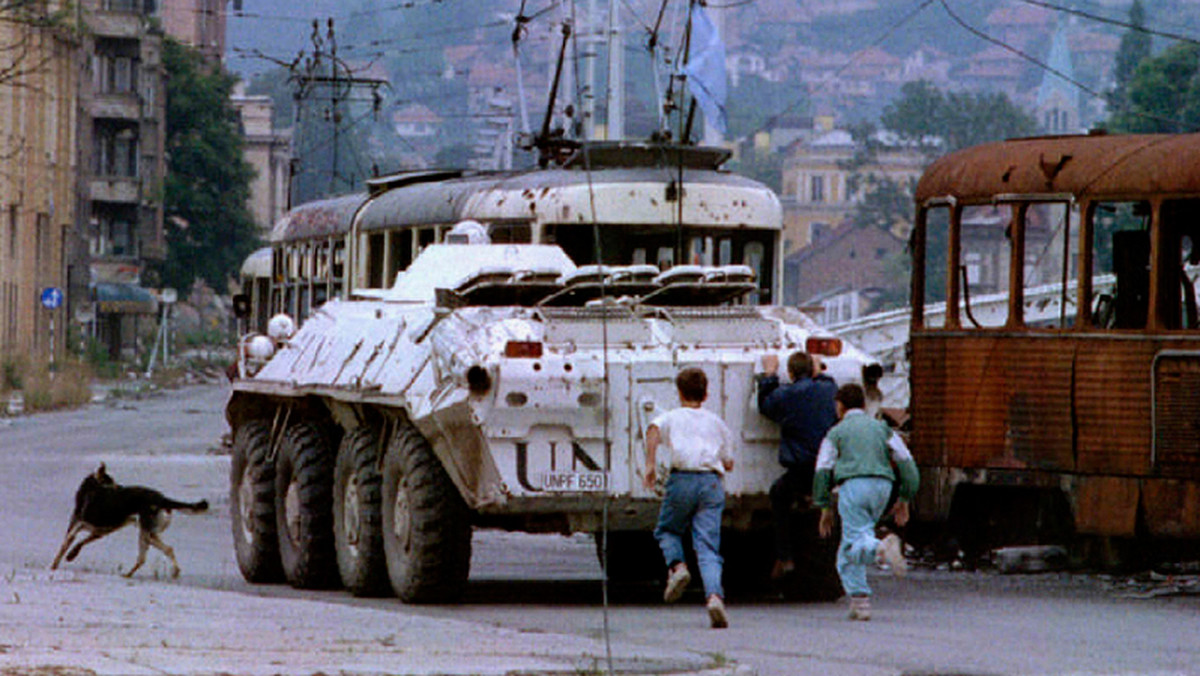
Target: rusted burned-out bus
(1088, 423)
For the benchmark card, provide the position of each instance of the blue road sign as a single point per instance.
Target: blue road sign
(52, 298)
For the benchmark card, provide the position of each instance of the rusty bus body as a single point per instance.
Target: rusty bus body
(1090, 425)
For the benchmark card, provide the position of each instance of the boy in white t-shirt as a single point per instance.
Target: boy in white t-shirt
(699, 450)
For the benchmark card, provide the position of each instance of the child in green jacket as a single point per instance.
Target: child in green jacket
(856, 456)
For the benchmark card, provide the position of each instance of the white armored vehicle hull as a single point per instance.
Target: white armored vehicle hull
(502, 385)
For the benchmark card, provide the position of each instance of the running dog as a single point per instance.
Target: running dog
(102, 506)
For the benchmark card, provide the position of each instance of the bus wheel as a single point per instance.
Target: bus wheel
(357, 521)
(304, 507)
(252, 503)
(426, 524)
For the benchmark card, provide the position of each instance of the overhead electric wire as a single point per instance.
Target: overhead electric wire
(1007, 47)
(1113, 22)
(853, 60)
(598, 253)
(1049, 69)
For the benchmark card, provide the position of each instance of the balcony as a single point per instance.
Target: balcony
(117, 189)
(116, 24)
(117, 106)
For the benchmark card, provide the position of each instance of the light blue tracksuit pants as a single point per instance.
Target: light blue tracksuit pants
(695, 500)
(861, 503)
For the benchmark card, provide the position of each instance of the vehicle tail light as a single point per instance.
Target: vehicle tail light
(523, 349)
(828, 347)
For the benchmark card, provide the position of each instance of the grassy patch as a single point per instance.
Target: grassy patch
(68, 387)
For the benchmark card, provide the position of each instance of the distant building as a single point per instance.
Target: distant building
(1057, 105)
(415, 121)
(269, 152)
(123, 166)
(196, 23)
(1019, 24)
(816, 193)
(845, 273)
(40, 188)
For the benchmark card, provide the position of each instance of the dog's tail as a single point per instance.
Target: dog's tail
(201, 506)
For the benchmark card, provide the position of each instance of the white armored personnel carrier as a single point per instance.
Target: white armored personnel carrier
(509, 384)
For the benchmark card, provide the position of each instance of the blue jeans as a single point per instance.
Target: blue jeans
(696, 499)
(861, 503)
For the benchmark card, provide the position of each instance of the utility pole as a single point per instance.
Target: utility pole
(615, 129)
(324, 77)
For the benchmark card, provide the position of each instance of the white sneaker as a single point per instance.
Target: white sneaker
(677, 581)
(716, 612)
(891, 552)
(860, 608)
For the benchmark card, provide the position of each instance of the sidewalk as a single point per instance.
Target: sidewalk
(59, 623)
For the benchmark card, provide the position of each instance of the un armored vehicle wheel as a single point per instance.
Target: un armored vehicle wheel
(357, 518)
(252, 503)
(304, 506)
(426, 524)
(633, 556)
(750, 555)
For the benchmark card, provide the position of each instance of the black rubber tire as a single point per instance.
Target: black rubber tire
(304, 471)
(750, 556)
(633, 556)
(816, 577)
(357, 519)
(426, 524)
(252, 504)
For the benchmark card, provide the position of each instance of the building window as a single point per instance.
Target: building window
(13, 217)
(117, 153)
(113, 235)
(974, 266)
(816, 189)
(115, 74)
(121, 5)
(817, 232)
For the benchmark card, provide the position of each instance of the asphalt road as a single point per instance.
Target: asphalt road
(933, 622)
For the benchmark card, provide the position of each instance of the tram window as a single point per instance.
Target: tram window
(400, 251)
(754, 254)
(339, 259)
(425, 237)
(725, 252)
(510, 233)
(375, 261)
(1120, 265)
(700, 251)
(1050, 260)
(937, 248)
(322, 261)
(983, 270)
(1177, 285)
(639, 256)
(665, 257)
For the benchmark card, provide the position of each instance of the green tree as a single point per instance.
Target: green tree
(1164, 94)
(1134, 49)
(933, 122)
(938, 122)
(209, 229)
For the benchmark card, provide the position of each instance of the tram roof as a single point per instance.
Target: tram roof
(258, 264)
(1118, 166)
(321, 218)
(453, 200)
